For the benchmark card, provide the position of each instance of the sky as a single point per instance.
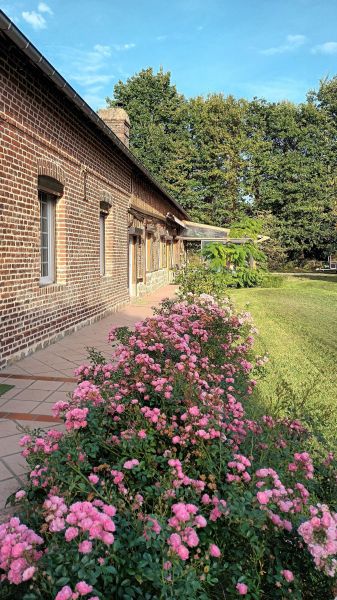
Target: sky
(272, 49)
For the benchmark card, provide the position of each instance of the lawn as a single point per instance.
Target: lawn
(5, 388)
(298, 330)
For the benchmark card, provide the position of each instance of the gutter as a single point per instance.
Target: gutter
(33, 54)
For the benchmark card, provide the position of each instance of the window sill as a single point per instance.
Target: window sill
(50, 288)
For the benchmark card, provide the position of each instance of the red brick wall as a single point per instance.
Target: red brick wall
(43, 133)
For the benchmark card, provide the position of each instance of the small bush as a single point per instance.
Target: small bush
(272, 281)
(200, 279)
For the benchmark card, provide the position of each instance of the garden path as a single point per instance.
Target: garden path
(47, 376)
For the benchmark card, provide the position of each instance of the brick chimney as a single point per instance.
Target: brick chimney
(118, 120)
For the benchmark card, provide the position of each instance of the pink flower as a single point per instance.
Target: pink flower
(64, 594)
(20, 494)
(93, 478)
(85, 547)
(182, 552)
(214, 551)
(71, 533)
(288, 575)
(263, 497)
(242, 589)
(130, 464)
(28, 573)
(83, 588)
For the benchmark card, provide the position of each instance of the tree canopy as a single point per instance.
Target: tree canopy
(226, 159)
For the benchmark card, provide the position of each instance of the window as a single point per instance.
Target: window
(47, 237)
(162, 253)
(149, 250)
(102, 243)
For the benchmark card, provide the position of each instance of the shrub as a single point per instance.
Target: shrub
(272, 281)
(200, 279)
(163, 487)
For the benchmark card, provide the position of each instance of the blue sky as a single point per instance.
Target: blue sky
(276, 49)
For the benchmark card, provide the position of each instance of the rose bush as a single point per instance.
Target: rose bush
(162, 486)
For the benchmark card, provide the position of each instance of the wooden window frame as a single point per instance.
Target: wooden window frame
(50, 202)
(149, 251)
(102, 243)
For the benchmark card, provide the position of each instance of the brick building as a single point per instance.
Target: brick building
(84, 226)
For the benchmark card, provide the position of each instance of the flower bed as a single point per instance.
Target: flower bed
(163, 487)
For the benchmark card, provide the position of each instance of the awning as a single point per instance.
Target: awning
(201, 231)
(174, 219)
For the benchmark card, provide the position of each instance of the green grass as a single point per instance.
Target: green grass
(297, 326)
(4, 388)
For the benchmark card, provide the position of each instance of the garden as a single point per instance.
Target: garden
(171, 480)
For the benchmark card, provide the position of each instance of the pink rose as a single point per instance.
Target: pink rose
(288, 575)
(242, 589)
(64, 594)
(263, 497)
(20, 494)
(83, 588)
(214, 551)
(85, 547)
(28, 573)
(182, 552)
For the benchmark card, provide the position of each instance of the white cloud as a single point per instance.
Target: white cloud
(34, 19)
(326, 48)
(103, 50)
(291, 43)
(44, 8)
(121, 47)
(88, 80)
(161, 38)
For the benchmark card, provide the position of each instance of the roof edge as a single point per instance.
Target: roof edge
(35, 56)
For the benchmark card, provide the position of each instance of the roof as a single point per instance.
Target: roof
(33, 54)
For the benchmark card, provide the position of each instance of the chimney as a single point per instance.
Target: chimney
(118, 120)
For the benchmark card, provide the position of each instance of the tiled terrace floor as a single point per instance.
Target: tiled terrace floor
(48, 376)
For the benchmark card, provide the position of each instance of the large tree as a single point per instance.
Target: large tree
(289, 175)
(159, 130)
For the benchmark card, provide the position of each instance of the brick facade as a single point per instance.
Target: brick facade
(43, 134)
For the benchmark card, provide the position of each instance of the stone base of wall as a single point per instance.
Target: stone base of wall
(55, 338)
(154, 281)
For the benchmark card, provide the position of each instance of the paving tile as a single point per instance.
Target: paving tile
(67, 387)
(7, 428)
(10, 445)
(59, 396)
(25, 406)
(31, 424)
(33, 395)
(16, 463)
(45, 408)
(8, 487)
(4, 472)
(45, 385)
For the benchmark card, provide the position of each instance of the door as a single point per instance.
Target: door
(132, 265)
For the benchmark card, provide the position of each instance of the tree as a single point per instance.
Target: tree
(217, 132)
(289, 176)
(159, 134)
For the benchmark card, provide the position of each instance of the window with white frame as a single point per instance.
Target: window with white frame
(102, 217)
(47, 237)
